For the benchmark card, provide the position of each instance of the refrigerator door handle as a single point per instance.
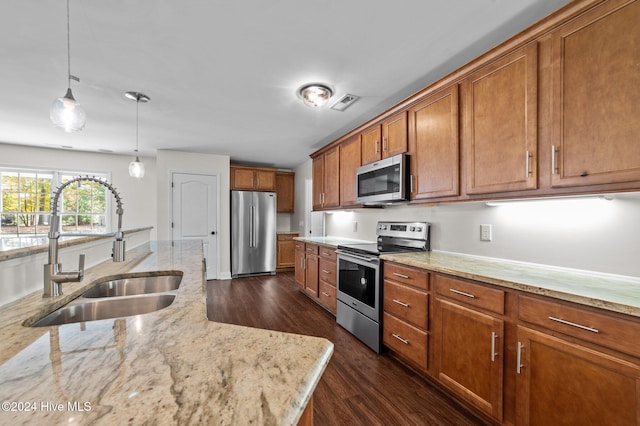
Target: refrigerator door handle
(252, 227)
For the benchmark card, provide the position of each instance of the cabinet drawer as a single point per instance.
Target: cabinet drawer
(300, 246)
(311, 248)
(327, 253)
(406, 275)
(405, 339)
(406, 303)
(473, 294)
(285, 237)
(327, 295)
(327, 271)
(601, 329)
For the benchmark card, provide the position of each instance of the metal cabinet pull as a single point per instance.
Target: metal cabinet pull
(573, 324)
(406, 277)
(519, 365)
(377, 146)
(527, 168)
(325, 294)
(494, 336)
(384, 144)
(406, 342)
(411, 184)
(406, 305)
(462, 293)
(325, 271)
(324, 253)
(554, 160)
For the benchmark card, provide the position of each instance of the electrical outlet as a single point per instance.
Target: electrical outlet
(355, 226)
(485, 232)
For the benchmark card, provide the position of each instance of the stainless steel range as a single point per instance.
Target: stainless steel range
(359, 292)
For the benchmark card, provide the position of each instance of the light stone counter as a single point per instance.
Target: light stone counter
(607, 291)
(331, 241)
(172, 366)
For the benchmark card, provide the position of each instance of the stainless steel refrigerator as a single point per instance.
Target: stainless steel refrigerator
(253, 232)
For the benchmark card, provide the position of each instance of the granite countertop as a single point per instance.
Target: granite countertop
(172, 366)
(15, 247)
(607, 291)
(331, 241)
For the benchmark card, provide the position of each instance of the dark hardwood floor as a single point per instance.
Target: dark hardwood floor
(359, 387)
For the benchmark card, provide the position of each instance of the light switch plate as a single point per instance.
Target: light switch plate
(485, 232)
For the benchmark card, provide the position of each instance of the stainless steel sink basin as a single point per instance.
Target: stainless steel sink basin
(81, 310)
(135, 285)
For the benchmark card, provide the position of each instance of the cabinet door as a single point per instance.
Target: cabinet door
(286, 251)
(318, 182)
(300, 270)
(434, 146)
(596, 92)
(371, 145)
(469, 351)
(500, 124)
(563, 383)
(332, 178)
(285, 189)
(394, 135)
(311, 274)
(350, 160)
(265, 180)
(242, 179)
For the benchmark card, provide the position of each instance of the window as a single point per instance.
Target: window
(25, 206)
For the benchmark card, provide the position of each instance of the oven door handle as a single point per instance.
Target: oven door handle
(358, 256)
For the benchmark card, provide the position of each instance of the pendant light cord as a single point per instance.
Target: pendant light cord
(68, 48)
(137, 115)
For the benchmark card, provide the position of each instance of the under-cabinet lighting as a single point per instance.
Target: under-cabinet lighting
(497, 203)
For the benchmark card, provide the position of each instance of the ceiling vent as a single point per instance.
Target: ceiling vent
(344, 102)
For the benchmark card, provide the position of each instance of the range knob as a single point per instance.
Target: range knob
(418, 229)
(412, 228)
(382, 227)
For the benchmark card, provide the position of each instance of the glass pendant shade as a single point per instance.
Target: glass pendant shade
(67, 114)
(136, 168)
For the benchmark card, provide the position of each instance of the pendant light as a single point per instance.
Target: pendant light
(65, 112)
(136, 167)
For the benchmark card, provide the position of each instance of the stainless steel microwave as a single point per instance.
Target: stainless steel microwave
(383, 181)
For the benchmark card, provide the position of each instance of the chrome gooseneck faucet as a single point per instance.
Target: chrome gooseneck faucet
(53, 274)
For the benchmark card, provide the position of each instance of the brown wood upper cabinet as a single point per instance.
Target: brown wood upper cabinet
(326, 179)
(350, 160)
(434, 145)
(596, 92)
(386, 139)
(499, 134)
(247, 178)
(285, 189)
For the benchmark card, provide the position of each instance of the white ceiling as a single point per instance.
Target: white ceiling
(222, 75)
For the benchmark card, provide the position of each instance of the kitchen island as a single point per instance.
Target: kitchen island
(171, 366)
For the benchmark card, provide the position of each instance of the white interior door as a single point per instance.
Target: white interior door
(195, 214)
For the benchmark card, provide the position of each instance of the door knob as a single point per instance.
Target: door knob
(213, 232)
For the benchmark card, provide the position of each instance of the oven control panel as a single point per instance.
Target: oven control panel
(413, 230)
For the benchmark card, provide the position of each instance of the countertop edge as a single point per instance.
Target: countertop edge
(532, 283)
(29, 251)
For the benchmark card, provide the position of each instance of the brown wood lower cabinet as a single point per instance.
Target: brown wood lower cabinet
(315, 271)
(285, 251)
(513, 357)
(562, 383)
(406, 313)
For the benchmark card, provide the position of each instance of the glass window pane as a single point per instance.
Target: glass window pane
(10, 202)
(42, 223)
(9, 182)
(68, 222)
(8, 224)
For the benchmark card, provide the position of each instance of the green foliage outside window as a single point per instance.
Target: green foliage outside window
(26, 203)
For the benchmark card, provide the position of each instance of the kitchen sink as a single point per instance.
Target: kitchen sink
(135, 285)
(81, 309)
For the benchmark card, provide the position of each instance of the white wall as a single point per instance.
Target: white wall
(169, 162)
(588, 234)
(138, 195)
